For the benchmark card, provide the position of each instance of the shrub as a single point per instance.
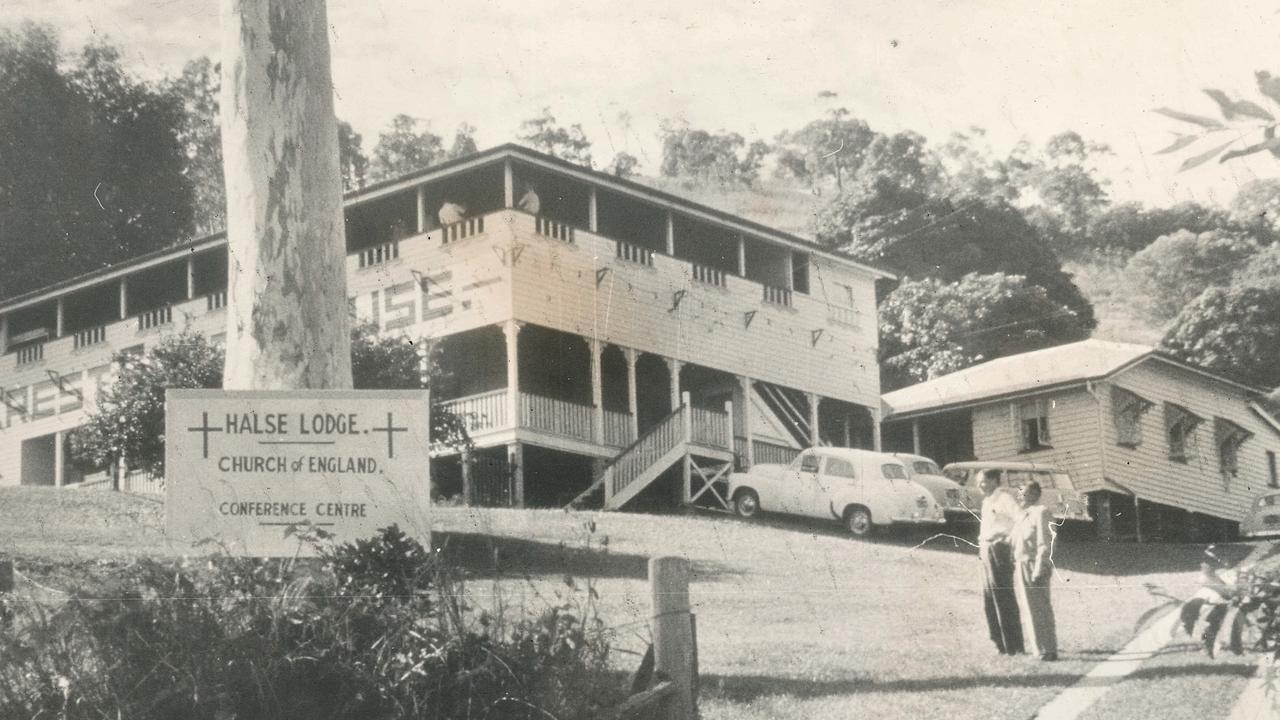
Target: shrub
(1171, 272)
(929, 328)
(1233, 331)
(1239, 614)
(129, 418)
(375, 630)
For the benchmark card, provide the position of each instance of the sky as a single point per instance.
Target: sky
(1019, 69)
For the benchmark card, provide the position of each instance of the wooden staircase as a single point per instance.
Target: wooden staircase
(701, 438)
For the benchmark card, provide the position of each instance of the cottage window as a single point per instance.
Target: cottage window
(1032, 419)
(1127, 409)
(1229, 437)
(1180, 425)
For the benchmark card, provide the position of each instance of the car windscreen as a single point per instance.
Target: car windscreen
(959, 475)
(893, 471)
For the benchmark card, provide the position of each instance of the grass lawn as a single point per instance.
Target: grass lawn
(795, 620)
(1182, 681)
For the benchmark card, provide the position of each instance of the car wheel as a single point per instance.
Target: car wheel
(747, 503)
(858, 520)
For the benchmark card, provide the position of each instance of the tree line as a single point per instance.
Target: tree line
(102, 166)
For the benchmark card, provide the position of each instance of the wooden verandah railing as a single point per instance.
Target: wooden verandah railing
(490, 411)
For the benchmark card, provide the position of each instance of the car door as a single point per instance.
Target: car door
(799, 484)
(839, 479)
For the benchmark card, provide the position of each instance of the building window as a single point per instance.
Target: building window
(1127, 409)
(1273, 480)
(1229, 437)
(1180, 426)
(1032, 419)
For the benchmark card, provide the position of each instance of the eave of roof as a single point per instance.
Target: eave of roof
(999, 393)
(985, 399)
(484, 157)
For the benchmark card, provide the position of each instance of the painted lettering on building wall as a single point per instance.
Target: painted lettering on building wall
(58, 395)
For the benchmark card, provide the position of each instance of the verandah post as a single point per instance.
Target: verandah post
(686, 487)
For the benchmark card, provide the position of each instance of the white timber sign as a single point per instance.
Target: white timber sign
(245, 470)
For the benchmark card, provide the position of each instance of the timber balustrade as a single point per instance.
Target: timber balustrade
(707, 274)
(155, 318)
(483, 412)
(558, 417)
(216, 301)
(617, 429)
(777, 296)
(767, 452)
(379, 254)
(552, 229)
(91, 336)
(709, 428)
(29, 354)
(461, 230)
(634, 253)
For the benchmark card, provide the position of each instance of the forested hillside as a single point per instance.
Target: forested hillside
(997, 252)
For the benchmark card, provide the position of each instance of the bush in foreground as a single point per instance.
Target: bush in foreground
(376, 630)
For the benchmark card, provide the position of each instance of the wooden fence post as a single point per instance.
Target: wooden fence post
(673, 642)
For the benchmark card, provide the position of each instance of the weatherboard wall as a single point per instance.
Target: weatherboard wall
(39, 405)
(1073, 428)
(825, 342)
(583, 287)
(1198, 484)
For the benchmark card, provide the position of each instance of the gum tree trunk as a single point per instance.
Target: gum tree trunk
(287, 325)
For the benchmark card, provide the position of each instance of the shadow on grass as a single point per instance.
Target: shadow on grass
(493, 555)
(1074, 551)
(748, 688)
(951, 537)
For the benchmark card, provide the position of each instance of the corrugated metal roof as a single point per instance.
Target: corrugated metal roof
(1062, 365)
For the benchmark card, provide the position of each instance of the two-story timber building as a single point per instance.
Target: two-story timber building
(596, 335)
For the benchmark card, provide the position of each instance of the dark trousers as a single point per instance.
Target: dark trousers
(999, 599)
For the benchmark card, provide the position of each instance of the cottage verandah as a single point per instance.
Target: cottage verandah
(568, 331)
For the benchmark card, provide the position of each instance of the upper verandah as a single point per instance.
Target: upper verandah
(565, 190)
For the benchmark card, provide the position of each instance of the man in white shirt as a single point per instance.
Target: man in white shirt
(1000, 602)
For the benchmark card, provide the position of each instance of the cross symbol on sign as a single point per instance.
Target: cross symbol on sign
(390, 430)
(206, 429)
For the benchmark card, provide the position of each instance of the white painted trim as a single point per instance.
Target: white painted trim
(1266, 416)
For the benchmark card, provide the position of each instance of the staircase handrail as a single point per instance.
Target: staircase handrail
(643, 436)
(600, 479)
